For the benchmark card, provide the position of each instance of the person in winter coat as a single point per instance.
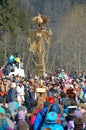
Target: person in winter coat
(21, 116)
(27, 95)
(60, 118)
(4, 123)
(72, 115)
(22, 124)
(11, 99)
(12, 93)
(20, 93)
(50, 122)
(41, 116)
(34, 113)
(70, 122)
(82, 108)
(24, 109)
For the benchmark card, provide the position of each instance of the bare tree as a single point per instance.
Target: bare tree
(72, 36)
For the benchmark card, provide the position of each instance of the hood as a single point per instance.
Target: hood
(55, 108)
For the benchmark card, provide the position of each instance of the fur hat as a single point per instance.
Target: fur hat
(69, 91)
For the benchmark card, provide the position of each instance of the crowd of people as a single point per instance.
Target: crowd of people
(60, 103)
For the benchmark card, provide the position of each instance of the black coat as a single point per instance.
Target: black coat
(12, 94)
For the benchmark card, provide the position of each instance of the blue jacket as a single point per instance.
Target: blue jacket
(39, 119)
(50, 122)
(53, 126)
(55, 108)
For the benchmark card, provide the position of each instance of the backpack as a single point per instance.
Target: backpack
(61, 120)
(51, 122)
(58, 119)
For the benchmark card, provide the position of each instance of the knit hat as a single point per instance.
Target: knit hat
(52, 116)
(2, 111)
